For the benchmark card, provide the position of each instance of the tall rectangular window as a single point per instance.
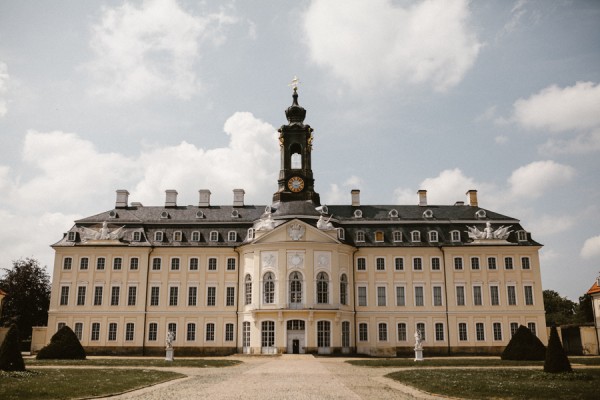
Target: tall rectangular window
(525, 263)
(152, 331)
(480, 331)
(156, 264)
(400, 296)
(380, 263)
(175, 264)
(345, 334)
(508, 263)
(100, 263)
(154, 295)
(361, 264)
(511, 293)
(112, 331)
(132, 295)
(458, 263)
(514, 327)
(399, 263)
(528, 295)
(210, 332)
(98, 296)
(363, 332)
(532, 327)
(64, 296)
(382, 332)
(114, 295)
(401, 332)
(84, 263)
(381, 298)
(212, 264)
(172, 327)
(435, 263)
(474, 262)
(129, 331)
(460, 295)
(211, 296)
(437, 295)
(95, 331)
(418, 264)
(78, 330)
(228, 332)
(230, 296)
(421, 329)
(192, 295)
(419, 301)
(231, 264)
(494, 296)
(462, 331)
(81, 295)
(497, 327)
(194, 264)
(439, 331)
(362, 296)
(477, 299)
(491, 262)
(173, 295)
(117, 263)
(191, 332)
(134, 263)
(67, 263)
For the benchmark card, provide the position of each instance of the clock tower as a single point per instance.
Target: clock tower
(296, 182)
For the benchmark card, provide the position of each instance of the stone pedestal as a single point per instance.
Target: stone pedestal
(418, 354)
(169, 355)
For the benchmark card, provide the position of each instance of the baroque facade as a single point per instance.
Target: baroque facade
(296, 276)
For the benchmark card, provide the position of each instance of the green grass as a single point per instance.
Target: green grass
(76, 383)
(137, 362)
(503, 383)
(443, 362)
(585, 360)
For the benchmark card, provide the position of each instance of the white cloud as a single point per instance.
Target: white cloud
(153, 48)
(501, 139)
(378, 42)
(534, 179)
(581, 144)
(546, 225)
(4, 77)
(336, 195)
(591, 248)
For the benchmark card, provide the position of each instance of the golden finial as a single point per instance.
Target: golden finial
(294, 84)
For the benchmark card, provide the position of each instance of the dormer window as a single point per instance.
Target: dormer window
(427, 214)
(231, 236)
(360, 236)
(433, 236)
(341, 234)
(72, 236)
(200, 214)
(158, 236)
(235, 214)
(357, 214)
(195, 236)
(455, 236)
(137, 236)
(164, 215)
(480, 214)
(250, 234)
(214, 236)
(393, 213)
(113, 214)
(177, 236)
(397, 236)
(415, 236)
(522, 236)
(379, 236)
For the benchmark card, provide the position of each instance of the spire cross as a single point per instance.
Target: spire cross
(294, 84)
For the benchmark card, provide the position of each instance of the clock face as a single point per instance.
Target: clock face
(296, 184)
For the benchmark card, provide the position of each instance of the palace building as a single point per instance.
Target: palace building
(296, 275)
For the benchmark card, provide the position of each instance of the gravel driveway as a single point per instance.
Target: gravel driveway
(281, 377)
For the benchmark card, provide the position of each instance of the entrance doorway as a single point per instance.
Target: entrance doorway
(296, 346)
(296, 337)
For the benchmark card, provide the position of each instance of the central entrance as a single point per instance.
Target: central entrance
(296, 337)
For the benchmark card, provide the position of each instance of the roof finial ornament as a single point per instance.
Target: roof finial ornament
(294, 84)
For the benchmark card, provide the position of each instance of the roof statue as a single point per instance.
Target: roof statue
(488, 233)
(294, 84)
(325, 224)
(266, 223)
(103, 234)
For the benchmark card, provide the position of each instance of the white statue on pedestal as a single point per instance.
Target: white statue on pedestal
(324, 224)
(169, 346)
(418, 346)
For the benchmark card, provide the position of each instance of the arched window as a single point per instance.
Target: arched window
(323, 333)
(296, 156)
(248, 289)
(269, 288)
(344, 289)
(295, 287)
(322, 288)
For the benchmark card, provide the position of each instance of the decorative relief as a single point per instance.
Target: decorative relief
(296, 231)
(103, 233)
(268, 259)
(488, 233)
(295, 260)
(323, 259)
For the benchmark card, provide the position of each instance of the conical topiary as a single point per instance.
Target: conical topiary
(10, 351)
(556, 359)
(524, 346)
(63, 345)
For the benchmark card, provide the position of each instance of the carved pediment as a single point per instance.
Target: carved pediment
(295, 231)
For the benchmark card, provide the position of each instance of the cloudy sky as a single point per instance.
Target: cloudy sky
(449, 95)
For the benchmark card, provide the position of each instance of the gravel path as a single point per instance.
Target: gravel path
(282, 377)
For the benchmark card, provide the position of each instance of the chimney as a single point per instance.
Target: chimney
(204, 198)
(472, 198)
(122, 198)
(171, 198)
(238, 197)
(355, 197)
(422, 197)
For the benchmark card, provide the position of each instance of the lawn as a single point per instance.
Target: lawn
(137, 362)
(76, 383)
(443, 362)
(503, 383)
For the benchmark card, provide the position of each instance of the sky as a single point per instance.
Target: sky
(442, 95)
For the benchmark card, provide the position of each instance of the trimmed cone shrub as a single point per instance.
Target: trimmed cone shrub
(556, 359)
(64, 345)
(524, 346)
(10, 351)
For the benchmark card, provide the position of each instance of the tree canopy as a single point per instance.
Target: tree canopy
(559, 310)
(27, 286)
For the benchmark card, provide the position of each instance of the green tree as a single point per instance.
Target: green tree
(584, 311)
(28, 296)
(556, 359)
(559, 310)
